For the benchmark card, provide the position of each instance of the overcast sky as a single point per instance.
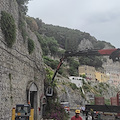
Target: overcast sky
(100, 18)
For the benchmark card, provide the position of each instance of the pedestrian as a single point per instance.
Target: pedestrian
(77, 117)
(92, 113)
(83, 110)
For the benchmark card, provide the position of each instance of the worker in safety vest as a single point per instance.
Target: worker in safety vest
(77, 117)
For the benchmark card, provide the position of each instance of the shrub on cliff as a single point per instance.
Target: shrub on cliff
(31, 45)
(8, 28)
(22, 5)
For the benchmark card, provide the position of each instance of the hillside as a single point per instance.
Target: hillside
(68, 91)
(55, 40)
(27, 46)
(77, 96)
(68, 39)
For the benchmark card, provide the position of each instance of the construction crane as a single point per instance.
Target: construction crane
(113, 54)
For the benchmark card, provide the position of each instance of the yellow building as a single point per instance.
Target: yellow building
(92, 74)
(101, 77)
(89, 71)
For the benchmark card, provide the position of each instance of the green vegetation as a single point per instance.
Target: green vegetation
(22, 2)
(22, 18)
(53, 110)
(73, 86)
(68, 39)
(103, 86)
(50, 62)
(73, 70)
(32, 24)
(86, 88)
(107, 102)
(49, 45)
(52, 45)
(82, 94)
(53, 64)
(63, 83)
(83, 76)
(43, 44)
(22, 25)
(50, 37)
(91, 61)
(83, 81)
(22, 5)
(8, 28)
(99, 45)
(31, 45)
(49, 75)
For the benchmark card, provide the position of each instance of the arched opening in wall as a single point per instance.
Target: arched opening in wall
(32, 96)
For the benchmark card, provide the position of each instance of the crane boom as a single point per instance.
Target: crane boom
(113, 54)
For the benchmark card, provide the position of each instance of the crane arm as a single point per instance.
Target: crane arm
(113, 54)
(58, 67)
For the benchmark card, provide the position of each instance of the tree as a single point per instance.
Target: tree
(32, 23)
(22, 5)
(52, 45)
(22, 2)
(91, 61)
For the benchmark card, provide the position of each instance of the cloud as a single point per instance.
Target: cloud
(100, 18)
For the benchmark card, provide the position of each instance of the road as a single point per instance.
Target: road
(72, 113)
(108, 117)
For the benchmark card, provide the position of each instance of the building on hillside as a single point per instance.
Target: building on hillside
(115, 78)
(89, 71)
(76, 80)
(101, 77)
(113, 70)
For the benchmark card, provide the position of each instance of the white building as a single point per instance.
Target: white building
(76, 80)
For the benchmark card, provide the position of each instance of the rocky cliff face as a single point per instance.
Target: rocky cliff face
(85, 44)
(66, 93)
(75, 98)
(21, 74)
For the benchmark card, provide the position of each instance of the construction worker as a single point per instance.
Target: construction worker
(77, 117)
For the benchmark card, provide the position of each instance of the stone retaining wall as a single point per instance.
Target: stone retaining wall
(18, 69)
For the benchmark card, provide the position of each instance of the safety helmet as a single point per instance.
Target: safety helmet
(77, 111)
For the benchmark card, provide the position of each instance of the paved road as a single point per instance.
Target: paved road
(72, 113)
(108, 117)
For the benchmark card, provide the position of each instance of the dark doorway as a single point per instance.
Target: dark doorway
(33, 99)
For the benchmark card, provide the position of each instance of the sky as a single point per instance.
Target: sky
(100, 18)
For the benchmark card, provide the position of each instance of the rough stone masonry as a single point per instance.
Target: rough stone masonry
(21, 75)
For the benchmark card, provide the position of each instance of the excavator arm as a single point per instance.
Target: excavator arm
(113, 54)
